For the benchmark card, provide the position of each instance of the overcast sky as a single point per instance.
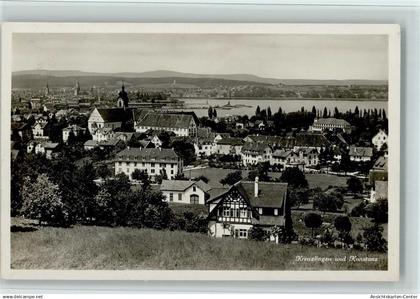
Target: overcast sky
(275, 56)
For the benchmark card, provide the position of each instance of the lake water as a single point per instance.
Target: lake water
(199, 106)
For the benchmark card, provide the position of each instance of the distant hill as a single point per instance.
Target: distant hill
(29, 76)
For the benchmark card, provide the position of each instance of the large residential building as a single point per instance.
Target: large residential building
(110, 118)
(153, 161)
(330, 123)
(380, 139)
(254, 153)
(187, 192)
(360, 153)
(180, 124)
(245, 205)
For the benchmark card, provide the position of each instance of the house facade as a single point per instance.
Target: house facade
(229, 146)
(153, 161)
(254, 153)
(186, 192)
(246, 205)
(39, 128)
(380, 139)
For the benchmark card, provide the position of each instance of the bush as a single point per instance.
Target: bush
(374, 239)
(328, 202)
(359, 210)
(258, 234)
(42, 201)
(232, 178)
(312, 221)
(378, 211)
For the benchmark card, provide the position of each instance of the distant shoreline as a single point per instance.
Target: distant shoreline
(283, 99)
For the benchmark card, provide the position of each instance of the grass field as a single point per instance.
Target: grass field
(99, 248)
(315, 180)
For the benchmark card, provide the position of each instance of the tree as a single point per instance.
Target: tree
(42, 201)
(202, 178)
(328, 202)
(232, 178)
(378, 210)
(103, 171)
(354, 185)
(185, 150)
(214, 113)
(258, 111)
(343, 225)
(210, 112)
(297, 196)
(312, 221)
(374, 239)
(294, 177)
(269, 112)
(325, 114)
(86, 190)
(142, 176)
(256, 233)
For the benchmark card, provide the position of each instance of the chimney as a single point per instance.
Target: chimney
(256, 187)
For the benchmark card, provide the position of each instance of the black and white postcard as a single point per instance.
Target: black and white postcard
(200, 151)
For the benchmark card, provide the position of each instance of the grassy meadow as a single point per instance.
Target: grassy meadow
(105, 248)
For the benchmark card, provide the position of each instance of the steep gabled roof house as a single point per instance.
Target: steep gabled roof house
(245, 205)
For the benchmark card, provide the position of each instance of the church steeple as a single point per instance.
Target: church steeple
(47, 89)
(122, 101)
(77, 89)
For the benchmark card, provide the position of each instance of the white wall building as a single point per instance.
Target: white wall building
(380, 139)
(153, 161)
(186, 192)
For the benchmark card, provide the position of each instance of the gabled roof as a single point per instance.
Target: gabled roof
(231, 141)
(254, 148)
(361, 151)
(270, 194)
(50, 145)
(115, 114)
(91, 143)
(147, 154)
(282, 153)
(182, 185)
(165, 120)
(381, 163)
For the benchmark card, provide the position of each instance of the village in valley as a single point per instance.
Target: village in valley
(313, 181)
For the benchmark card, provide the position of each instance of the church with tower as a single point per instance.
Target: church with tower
(112, 118)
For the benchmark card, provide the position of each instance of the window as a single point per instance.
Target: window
(260, 210)
(226, 212)
(172, 172)
(194, 199)
(171, 197)
(179, 196)
(152, 164)
(241, 233)
(243, 213)
(152, 170)
(276, 212)
(194, 188)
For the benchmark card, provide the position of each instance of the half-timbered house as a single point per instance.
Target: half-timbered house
(245, 205)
